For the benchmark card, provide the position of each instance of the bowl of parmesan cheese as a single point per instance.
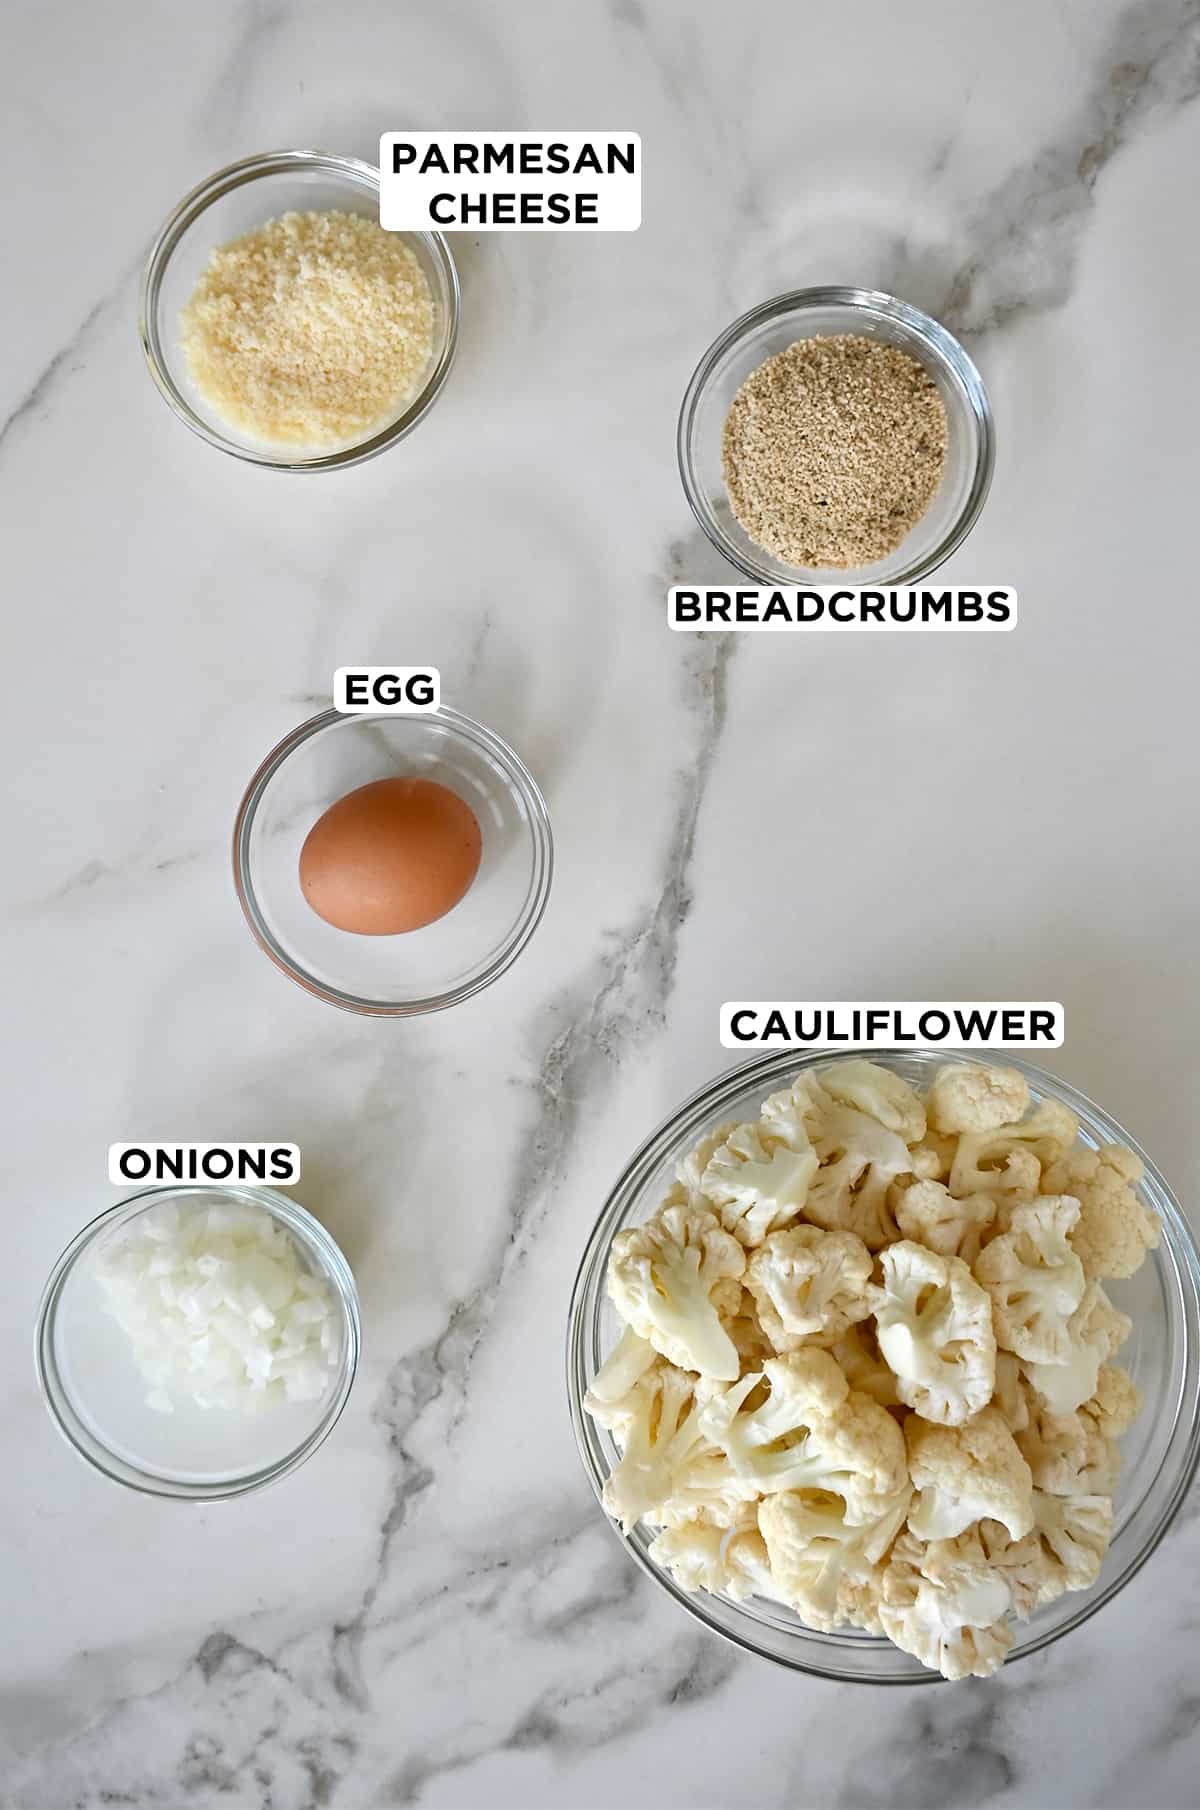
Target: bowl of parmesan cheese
(282, 323)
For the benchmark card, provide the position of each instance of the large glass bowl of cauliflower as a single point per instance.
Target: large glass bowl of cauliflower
(887, 1368)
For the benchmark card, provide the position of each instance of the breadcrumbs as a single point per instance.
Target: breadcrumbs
(315, 330)
(833, 450)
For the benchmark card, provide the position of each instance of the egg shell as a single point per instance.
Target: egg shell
(390, 857)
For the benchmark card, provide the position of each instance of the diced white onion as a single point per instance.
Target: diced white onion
(217, 1305)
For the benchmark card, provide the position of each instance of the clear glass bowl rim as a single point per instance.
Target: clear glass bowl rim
(521, 781)
(194, 203)
(705, 1105)
(944, 349)
(91, 1448)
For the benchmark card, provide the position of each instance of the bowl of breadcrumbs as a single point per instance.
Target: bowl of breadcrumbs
(285, 326)
(836, 434)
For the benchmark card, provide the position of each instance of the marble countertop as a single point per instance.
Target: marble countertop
(432, 1611)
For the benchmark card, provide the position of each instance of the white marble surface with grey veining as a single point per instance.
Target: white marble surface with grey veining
(432, 1612)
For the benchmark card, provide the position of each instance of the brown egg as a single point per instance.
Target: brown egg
(390, 856)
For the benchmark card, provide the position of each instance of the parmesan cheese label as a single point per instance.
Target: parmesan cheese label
(492, 182)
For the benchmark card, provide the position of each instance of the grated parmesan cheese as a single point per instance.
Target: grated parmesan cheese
(315, 330)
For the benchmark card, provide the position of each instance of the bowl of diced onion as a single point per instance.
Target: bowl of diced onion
(697, 1555)
(198, 1342)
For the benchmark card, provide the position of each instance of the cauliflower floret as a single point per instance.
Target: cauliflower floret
(669, 1473)
(963, 1473)
(859, 1598)
(935, 1332)
(1095, 1331)
(880, 1093)
(647, 1423)
(1064, 1551)
(929, 1214)
(728, 1297)
(1115, 1230)
(810, 1284)
(1035, 1280)
(661, 1278)
(933, 1157)
(860, 1159)
(741, 1322)
(629, 1359)
(689, 1170)
(1068, 1454)
(1027, 1567)
(1024, 1565)
(1077, 1530)
(816, 1553)
(1015, 1178)
(1010, 1396)
(810, 1433)
(947, 1606)
(793, 1114)
(1116, 1403)
(966, 1098)
(651, 1406)
(1010, 1158)
(730, 1560)
(705, 1488)
(759, 1183)
(858, 1359)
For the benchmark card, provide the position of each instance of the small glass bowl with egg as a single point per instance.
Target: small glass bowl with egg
(357, 869)
(198, 1342)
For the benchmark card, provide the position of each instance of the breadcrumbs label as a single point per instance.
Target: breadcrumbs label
(971, 1024)
(763, 607)
(494, 182)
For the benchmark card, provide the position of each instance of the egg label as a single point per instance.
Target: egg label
(970, 1024)
(373, 690)
(232, 1163)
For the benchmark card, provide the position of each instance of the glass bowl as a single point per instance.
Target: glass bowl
(97, 1395)
(1162, 1354)
(803, 314)
(238, 200)
(421, 970)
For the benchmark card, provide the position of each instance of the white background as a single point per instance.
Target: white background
(432, 1611)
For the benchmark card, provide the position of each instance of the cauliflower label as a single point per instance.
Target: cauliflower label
(972, 1024)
